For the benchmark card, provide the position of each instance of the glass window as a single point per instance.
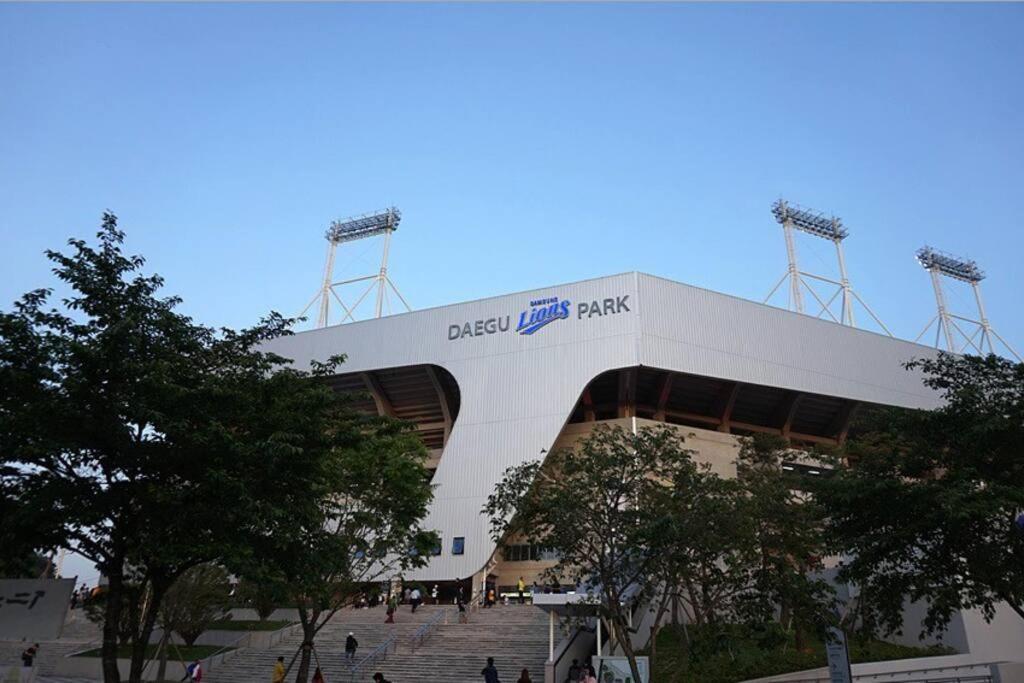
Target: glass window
(458, 545)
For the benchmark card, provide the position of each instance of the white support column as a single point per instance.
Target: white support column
(551, 635)
(986, 329)
(796, 295)
(325, 289)
(940, 301)
(598, 635)
(844, 283)
(382, 278)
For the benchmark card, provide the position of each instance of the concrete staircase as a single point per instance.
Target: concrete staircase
(516, 636)
(78, 634)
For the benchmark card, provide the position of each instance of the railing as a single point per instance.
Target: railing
(376, 655)
(424, 631)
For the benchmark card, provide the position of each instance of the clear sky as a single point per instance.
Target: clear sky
(527, 144)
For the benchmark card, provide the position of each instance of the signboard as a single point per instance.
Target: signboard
(616, 670)
(838, 657)
(538, 315)
(33, 609)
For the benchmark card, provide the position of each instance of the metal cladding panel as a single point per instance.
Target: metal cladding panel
(517, 390)
(695, 330)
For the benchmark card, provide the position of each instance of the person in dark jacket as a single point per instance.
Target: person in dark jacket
(29, 655)
(350, 647)
(379, 678)
(490, 673)
(574, 672)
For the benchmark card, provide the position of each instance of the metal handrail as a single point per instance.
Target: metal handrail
(378, 653)
(424, 631)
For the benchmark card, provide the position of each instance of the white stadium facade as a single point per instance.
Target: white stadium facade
(496, 382)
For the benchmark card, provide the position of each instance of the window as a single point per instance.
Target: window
(436, 550)
(528, 553)
(458, 545)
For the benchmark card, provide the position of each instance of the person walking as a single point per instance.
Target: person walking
(318, 676)
(278, 671)
(197, 672)
(379, 678)
(521, 585)
(591, 676)
(350, 647)
(408, 595)
(74, 599)
(524, 677)
(463, 616)
(574, 672)
(29, 655)
(392, 608)
(414, 598)
(489, 672)
(433, 593)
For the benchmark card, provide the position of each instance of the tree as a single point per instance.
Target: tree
(369, 506)
(788, 539)
(704, 548)
(194, 601)
(926, 505)
(263, 596)
(594, 505)
(140, 439)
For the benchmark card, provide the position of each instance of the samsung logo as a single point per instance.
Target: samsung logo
(539, 314)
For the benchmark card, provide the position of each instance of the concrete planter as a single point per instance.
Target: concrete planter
(249, 614)
(92, 667)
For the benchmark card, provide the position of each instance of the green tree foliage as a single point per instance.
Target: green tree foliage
(366, 526)
(705, 551)
(195, 600)
(595, 505)
(927, 508)
(262, 596)
(788, 539)
(144, 441)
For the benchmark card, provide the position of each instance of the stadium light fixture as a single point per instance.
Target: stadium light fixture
(792, 218)
(980, 341)
(356, 228)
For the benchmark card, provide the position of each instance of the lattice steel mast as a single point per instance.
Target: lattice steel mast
(356, 228)
(937, 264)
(791, 217)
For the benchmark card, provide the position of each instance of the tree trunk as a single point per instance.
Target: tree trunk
(161, 672)
(622, 635)
(111, 619)
(148, 619)
(307, 649)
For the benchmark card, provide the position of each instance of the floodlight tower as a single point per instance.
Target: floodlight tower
(359, 227)
(792, 217)
(939, 263)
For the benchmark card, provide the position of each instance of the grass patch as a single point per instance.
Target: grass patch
(186, 652)
(248, 625)
(732, 653)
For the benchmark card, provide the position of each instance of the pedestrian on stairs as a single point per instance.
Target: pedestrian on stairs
(490, 673)
(379, 678)
(350, 647)
(29, 655)
(433, 593)
(524, 677)
(522, 591)
(318, 676)
(415, 599)
(278, 671)
(463, 617)
(197, 672)
(574, 672)
(392, 607)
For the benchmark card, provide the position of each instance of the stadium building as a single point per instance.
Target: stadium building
(497, 382)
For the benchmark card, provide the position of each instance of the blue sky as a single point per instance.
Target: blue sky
(526, 144)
